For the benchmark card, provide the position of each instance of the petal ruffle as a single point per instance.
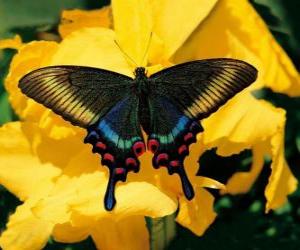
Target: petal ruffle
(247, 123)
(73, 20)
(14, 43)
(29, 57)
(251, 123)
(241, 182)
(25, 231)
(197, 214)
(281, 182)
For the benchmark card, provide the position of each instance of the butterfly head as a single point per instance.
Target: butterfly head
(140, 72)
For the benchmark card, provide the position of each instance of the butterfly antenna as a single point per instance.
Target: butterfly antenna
(148, 46)
(127, 56)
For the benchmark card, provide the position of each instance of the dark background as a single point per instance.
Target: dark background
(241, 223)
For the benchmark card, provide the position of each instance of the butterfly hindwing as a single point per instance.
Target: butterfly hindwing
(79, 94)
(118, 138)
(199, 88)
(171, 133)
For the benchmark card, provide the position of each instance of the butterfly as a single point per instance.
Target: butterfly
(114, 108)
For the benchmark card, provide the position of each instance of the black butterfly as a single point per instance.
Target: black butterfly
(113, 107)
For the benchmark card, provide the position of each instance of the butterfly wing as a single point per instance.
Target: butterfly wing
(183, 94)
(171, 132)
(81, 95)
(101, 101)
(199, 88)
(117, 137)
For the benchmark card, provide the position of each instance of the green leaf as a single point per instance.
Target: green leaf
(162, 231)
(6, 114)
(282, 17)
(17, 16)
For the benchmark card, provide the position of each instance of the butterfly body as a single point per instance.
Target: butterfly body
(113, 108)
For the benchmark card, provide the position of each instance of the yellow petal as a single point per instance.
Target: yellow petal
(29, 57)
(83, 168)
(237, 20)
(242, 182)
(247, 123)
(134, 198)
(81, 188)
(14, 43)
(197, 214)
(202, 181)
(73, 20)
(174, 21)
(25, 231)
(66, 233)
(128, 234)
(133, 26)
(281, 182)
(18, 164)
(93, 47)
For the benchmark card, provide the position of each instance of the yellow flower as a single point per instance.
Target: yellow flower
(45, 164)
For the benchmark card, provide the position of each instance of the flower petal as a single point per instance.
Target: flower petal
(128, 234)
(14, 43)
(25, 231)
(247, 123)
(174, 21)
(131, 200)
(133, 26)
(240, 22)
(197, 214)
(73, 20)
(202, 181)
(94, 47)
(66, 233)
(281, 182)
(241, 182)
(18, 164)
(29, 57)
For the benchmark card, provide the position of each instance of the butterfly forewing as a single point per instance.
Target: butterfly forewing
(81, 95)
(199, 88)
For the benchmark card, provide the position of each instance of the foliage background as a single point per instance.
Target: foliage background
(241, 222)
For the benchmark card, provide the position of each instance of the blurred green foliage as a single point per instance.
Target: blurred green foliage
(241, 223)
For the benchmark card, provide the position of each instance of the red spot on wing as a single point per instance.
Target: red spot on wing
(183, 150)
(119, 171)
(138, 148)
(100, 145)
(188, 137)
(153, 145)
(162, 158)
(174, 163)
(131, 162)
(108, 157)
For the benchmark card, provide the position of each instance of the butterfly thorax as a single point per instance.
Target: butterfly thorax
(141, 81)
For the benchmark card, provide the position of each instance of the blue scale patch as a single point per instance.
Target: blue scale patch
(180, 126)
(112, 136)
